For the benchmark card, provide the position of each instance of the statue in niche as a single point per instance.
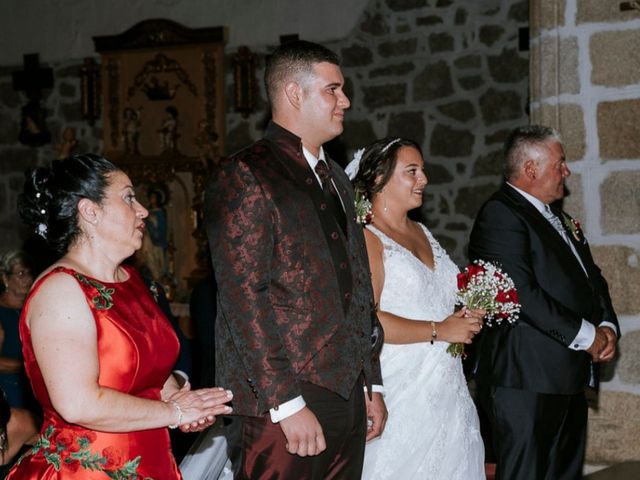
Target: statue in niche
(131, 130)
(156, 240)
(169, 130)
(69, 142)
(206, 142)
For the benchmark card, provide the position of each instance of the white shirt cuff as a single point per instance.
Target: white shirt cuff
(586, 336)
(375, 389)
(610, 325)
(287, 409)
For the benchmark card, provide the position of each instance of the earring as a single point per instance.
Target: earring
(384, 204)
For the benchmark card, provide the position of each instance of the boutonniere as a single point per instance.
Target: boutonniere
(574, 227)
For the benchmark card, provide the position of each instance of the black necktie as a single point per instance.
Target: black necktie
(331, 195)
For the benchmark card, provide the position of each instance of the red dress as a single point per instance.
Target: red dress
(137, 349)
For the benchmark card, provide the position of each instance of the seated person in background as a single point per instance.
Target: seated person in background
(100, 360)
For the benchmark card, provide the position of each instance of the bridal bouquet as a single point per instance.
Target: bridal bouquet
(483, 285)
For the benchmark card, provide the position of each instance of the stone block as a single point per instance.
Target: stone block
(404, 28)
(519, 12)
(356, 56)
(614, 428)
(374, 24)
(556, 67)
(498, 106)
(497, 137)
(443, 3)
(490, 164)
(461, 16)
(71, 71)
(358, 133)
(70, 112)
(619, 129)
(9, 128)
(469, 199)
(620, 189)
(620, 266)
(437, 174)
(450, 142)
(573, 203)
(568, 119)
(434, 82)
(384, 95)
(598, 11)
(472, 82)
(628, 362)
(403, 5)
(67, 90)
(397, 69)
(9, 98)
(490, 34)
(441, 42)
(462, 110)
(468, 61)
(614, 56)
(17, 160)
(509, 66)
(429, 20)
(408, 125)
(398, 48)
(547, 15)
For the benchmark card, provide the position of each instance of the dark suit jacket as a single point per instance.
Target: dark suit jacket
(554, 292)
(294, 293)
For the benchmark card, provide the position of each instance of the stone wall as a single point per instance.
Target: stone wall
(446, 73)
(585, 70)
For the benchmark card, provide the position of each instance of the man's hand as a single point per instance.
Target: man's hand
(304, 433)
(376, 415)
(609, 351)
(603, 347)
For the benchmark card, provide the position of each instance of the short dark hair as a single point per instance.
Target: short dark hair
(291, 60)
(49, 200)
(519, 141)
(379, 161)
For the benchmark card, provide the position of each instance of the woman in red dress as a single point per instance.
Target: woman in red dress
(97, 349)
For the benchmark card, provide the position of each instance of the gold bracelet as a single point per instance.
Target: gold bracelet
(434, 332)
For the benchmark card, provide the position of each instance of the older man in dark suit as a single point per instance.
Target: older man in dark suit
(532, 376)
(295, 317)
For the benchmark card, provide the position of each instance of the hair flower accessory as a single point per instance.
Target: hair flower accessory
(354, 164)
(41, 229)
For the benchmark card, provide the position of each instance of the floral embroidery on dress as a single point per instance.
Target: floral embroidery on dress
(102, 301)
(71, 448)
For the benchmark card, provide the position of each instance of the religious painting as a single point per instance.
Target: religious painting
(163, 123)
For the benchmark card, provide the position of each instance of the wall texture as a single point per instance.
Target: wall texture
(584, 81)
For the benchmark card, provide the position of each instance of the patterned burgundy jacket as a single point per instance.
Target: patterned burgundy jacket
(294, 294)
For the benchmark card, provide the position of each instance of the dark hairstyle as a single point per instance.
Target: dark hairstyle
(290, 60)
(518, 143)
(49, 200)
(379, 161)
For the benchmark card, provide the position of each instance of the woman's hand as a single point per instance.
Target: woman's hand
(199, 408)
(461, 327)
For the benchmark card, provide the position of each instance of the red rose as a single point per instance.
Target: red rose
(90, 435)
(72, 464)
(502, 297)
(513, 295)
(474, 269)
(463, 281)
(113, 458)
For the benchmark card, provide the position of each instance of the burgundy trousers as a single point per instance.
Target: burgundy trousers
(263, 445)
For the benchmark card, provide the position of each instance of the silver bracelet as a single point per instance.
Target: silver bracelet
(179, 410)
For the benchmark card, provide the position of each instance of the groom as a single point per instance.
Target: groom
(531, 377)
(296, 318)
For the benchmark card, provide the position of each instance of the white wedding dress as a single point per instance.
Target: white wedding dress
(432, 431)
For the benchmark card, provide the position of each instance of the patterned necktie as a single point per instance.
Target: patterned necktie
(557, 224)
(331, 195)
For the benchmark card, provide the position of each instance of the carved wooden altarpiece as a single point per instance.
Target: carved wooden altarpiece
(163, 123)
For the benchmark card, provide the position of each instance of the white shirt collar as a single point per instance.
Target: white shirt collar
(537, 203)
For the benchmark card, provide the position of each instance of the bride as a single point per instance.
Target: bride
(433, 429)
